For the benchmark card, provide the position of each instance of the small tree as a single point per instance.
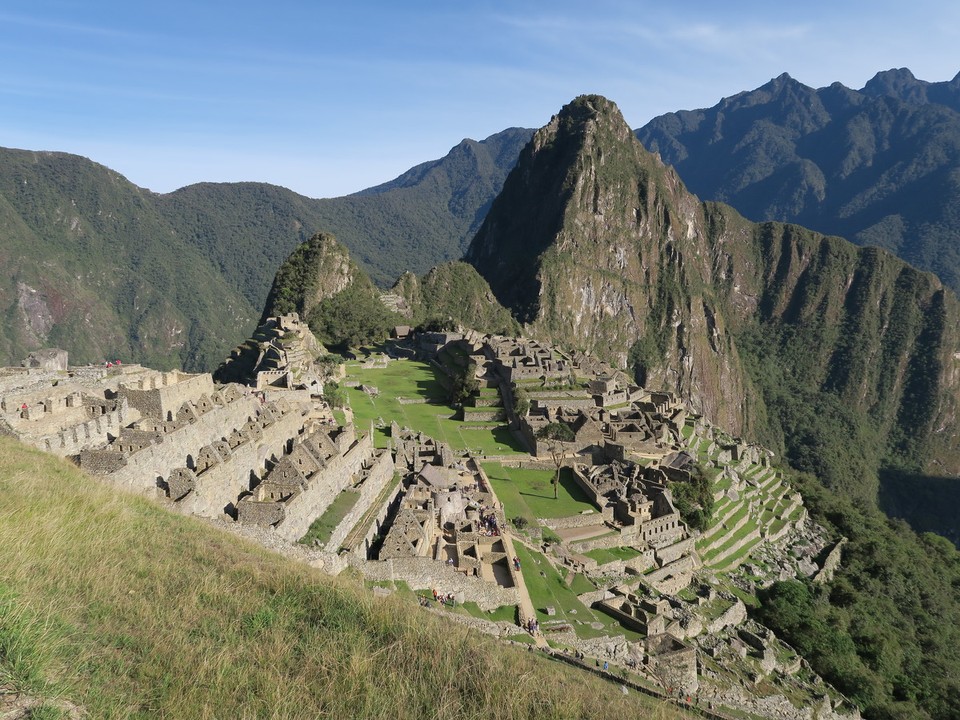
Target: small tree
(335, 395)
(557, 433)
(464, 385)
(521, 402)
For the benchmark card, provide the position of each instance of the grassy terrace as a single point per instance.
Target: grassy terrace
(322, 528)
(606, 555)
(550, 589)
(130, 611)
(419, 381)
(731, 540)
(529, 493)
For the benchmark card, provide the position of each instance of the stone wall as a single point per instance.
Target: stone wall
(323, 487)
(490, 415)
(750, 537)
(161, 396)
(688, 563)
(221, 484)
(830, 563)
(426, 574)
(731, 617)
(670, 553)
(574, 521)
(571, 403)
(591, 492)
(662, 530)
(608, 541)
(379, 476)
(143, 471)
(97, 431)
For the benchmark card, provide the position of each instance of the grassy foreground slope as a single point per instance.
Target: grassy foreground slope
(129, 611)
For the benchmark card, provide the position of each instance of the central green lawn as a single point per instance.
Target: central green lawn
(419, 381)
(530, 492)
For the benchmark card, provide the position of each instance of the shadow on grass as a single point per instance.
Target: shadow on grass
(569, 485)
(503, 436)
(572, 487)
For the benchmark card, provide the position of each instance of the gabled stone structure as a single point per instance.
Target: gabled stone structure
(306, 480)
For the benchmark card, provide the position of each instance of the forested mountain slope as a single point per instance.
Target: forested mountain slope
(108, 270)
(95, 268)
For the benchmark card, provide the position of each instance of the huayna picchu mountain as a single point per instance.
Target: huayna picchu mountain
(844, 357)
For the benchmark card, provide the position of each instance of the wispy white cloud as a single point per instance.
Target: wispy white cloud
(73, 28)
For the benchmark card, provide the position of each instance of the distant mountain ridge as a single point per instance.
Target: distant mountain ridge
(109, 270)
(878, 166)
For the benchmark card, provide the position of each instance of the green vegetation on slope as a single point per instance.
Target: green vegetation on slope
(886, 630)
(694, 499)
(455, 291)
(133, 612)
(322, 283)
(97, 270)
(422, 218)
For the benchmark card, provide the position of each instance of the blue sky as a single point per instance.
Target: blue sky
(329, 98)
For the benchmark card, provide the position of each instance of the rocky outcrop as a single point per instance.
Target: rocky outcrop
(318, 269)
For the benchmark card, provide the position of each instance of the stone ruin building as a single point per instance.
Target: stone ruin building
(265, 455)
(47, 359)
(318, 467)
(447, 526)
(281, 354)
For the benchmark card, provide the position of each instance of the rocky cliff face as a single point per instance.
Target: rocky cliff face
(596, 244)
(316, 270)
(877, 166)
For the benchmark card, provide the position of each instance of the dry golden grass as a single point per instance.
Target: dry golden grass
(133, 612)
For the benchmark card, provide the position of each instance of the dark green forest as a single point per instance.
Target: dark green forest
(886, 629)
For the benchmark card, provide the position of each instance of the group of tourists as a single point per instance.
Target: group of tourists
(533, 626)
(490, 526)
(442, 598)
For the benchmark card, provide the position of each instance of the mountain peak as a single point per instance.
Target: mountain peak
(576, 114)
(778, 83)
(897, 82)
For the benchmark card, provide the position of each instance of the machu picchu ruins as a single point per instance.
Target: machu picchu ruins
(611, 569)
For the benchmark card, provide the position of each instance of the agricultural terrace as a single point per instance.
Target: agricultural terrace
(425, 408)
